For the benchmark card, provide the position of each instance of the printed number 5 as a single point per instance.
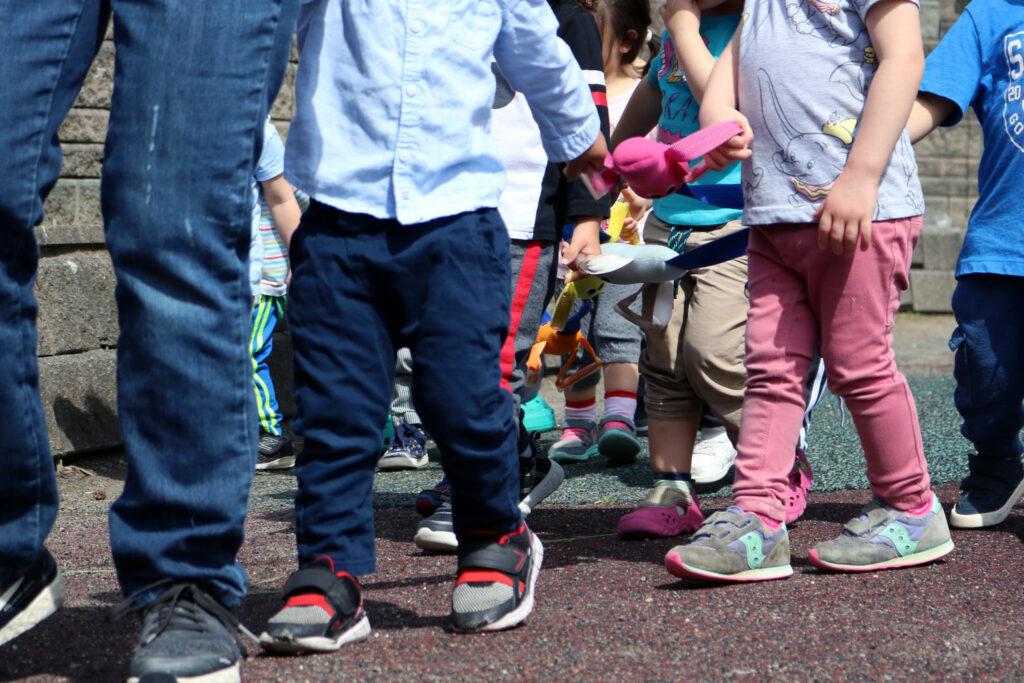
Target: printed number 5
(1013, 55)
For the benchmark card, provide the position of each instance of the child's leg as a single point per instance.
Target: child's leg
(781, 338)
(265, 315)
(856, 299)
(990, 389)
(456, 351)
(713, 349)
(340, 312)
(401, 400)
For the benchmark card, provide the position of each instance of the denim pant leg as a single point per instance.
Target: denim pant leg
(193, 85)
(265, 314)
(989, 362)
(47, 48)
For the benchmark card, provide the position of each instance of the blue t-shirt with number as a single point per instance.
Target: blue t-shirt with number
(980, 64)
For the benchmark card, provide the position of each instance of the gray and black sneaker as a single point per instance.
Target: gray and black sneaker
(275, 452)
(323, 610)
(988, 493)
(187, 635)
(28, 599)
(497, 576)
(436, 534)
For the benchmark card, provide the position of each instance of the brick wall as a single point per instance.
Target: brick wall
(77, 317)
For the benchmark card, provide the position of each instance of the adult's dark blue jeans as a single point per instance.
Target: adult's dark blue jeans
(361, 288)
(989, 362)
(192, 85)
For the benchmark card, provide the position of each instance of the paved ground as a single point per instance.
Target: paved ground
(606, 609)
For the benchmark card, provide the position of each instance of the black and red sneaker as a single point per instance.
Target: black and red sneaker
(323, 610)
(496, 580)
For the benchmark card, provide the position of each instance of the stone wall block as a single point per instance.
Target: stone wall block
(79, 394)
(61, 205)
(99, 82)
(931, 17)
(89, 203)
(85, 125)
(82, 160)
(76, 303)
(284, 105)
(941, 248)
(932, 290)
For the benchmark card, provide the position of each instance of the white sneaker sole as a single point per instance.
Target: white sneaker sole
(45, 604)
(984, 519)
(401, 462)
(436, 541)
(358, 631)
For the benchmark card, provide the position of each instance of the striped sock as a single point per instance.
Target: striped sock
(680, 481)
(620, 403)
(581, 410)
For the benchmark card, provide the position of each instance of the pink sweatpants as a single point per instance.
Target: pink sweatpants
(801, 295)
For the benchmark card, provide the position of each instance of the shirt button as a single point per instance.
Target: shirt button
(405, 194)
(415, 27)
(410, 90)
(403, 157)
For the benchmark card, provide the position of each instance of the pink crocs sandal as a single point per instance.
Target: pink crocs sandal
(798, 483)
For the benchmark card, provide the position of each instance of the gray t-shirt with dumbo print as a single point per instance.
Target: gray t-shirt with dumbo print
(804, 71)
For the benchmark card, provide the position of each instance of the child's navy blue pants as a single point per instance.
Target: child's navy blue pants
(361, 288)
(989, 363)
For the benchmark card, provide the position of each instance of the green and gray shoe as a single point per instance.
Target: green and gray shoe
(732, 545)
(882, 537)
(578, 442)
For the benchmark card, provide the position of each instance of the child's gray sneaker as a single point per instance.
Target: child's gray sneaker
(187, 635)
(578, 442)
(732, 545)
(882, 537)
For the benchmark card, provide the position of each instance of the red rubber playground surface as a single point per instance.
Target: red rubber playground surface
(606, 609)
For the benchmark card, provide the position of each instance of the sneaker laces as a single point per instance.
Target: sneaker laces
(407, 434)
(181, 607)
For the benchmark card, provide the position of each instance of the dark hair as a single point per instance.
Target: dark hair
(623, 16)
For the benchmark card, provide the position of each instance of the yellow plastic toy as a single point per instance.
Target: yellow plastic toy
(590, 286)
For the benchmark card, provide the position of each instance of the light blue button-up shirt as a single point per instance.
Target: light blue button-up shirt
(393, 101)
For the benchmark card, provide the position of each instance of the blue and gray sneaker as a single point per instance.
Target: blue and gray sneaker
(988, 493)
(538, 415)
(882, 537)
(187, 635)
(732, 545)
(27, 599)
(408, 449)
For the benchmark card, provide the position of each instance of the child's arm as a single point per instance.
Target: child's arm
(720, 102)
(284, 210)
(846, 214)
(641, 113)
(927, 114)
(682, 20)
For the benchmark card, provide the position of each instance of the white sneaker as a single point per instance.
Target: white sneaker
(712, 456)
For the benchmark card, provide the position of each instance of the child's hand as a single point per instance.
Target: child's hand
(680, 16)
(737, 148)
(844, 218)
(592, 159)
(586, 242)
(638, 206)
